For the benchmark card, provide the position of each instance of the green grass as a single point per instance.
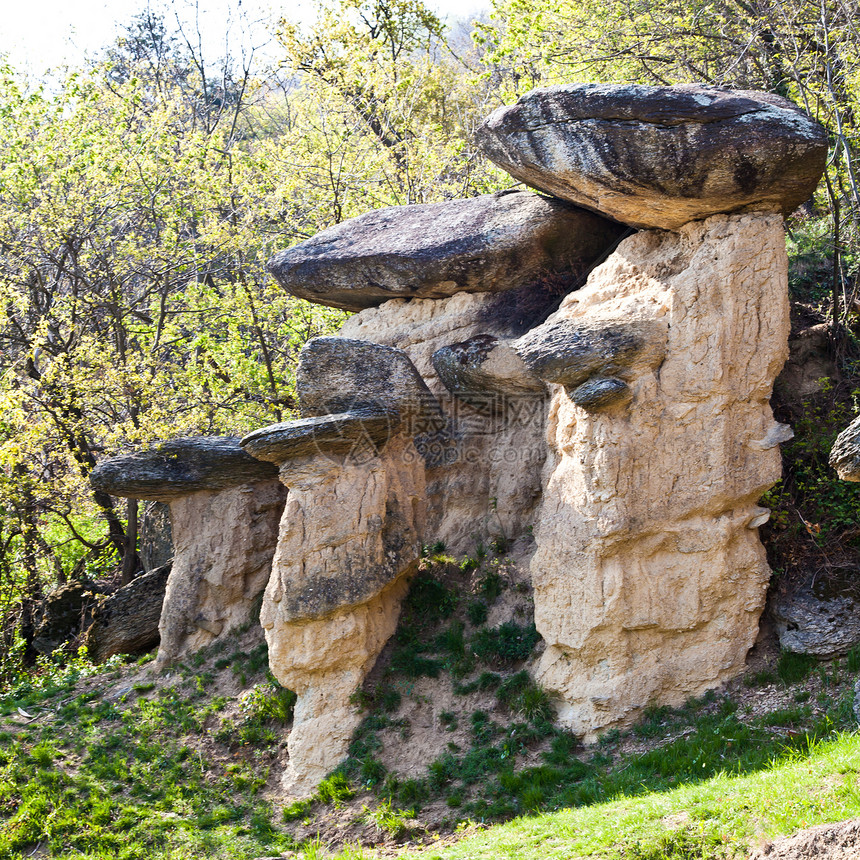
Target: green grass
(723, 813)
(97, 777)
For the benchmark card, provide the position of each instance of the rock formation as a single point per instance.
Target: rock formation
(659, 156)
(845, 454)
(127, 621)
(224, 510)
(649, 575)
(481, 389)
(349, 538)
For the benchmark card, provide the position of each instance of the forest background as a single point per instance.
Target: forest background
(142, 193)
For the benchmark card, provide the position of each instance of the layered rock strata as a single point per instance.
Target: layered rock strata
(481, 244)
(649, 574)
(224, 511)
(349, 538)
(659, 156)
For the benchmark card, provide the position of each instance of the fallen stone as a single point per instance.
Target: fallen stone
(845, 453)
(652, 498)
(339, 374)
(170, 470)
(820, 617)
(65, 614)
(839, 841)
(480, 244)
(127, 621)
(653, 156)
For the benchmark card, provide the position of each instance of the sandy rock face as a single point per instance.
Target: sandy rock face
(649, 574)
(224, 543)
(480, 244)
(349, 538)
(659, 156)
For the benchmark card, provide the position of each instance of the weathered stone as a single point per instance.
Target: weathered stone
(224, 540)
(568, 352)
(836, 841)
(65, 614)
(654, 498)
(156, 540)
(127, 621)
(821, 617)
(480, 244)
(359, 433)
(349, 536)
(845, 454)
(481, 366)
(659, 156)
(486, 478)
(600, 392)
(339, 374)
(170, 470)
(810, 364)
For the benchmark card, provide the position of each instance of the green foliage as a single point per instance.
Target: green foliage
(688, 843)
(334, 789)
(792, 667)
(505, 644)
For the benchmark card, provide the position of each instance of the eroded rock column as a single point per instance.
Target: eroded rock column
(349, 538)
(649, 574)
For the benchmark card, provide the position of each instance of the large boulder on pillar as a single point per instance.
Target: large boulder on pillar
(654, 156)
(173, 469)
(649, 574)
(481, 244)
(338, 374)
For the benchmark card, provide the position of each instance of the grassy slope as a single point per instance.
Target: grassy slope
(722, 816)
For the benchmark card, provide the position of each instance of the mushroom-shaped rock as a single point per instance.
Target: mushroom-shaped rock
(482, 244)
(486, 373)
(224, 510)
(649, 574)
(656, 156)
(349, 537)
(845, 454)
(338, 374)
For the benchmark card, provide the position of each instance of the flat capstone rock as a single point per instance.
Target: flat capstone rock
(345, 433)
(491, 243)
(569, 353)
(170, 470)
(656, 156)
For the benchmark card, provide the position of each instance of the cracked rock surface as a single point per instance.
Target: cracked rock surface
(653, 156)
